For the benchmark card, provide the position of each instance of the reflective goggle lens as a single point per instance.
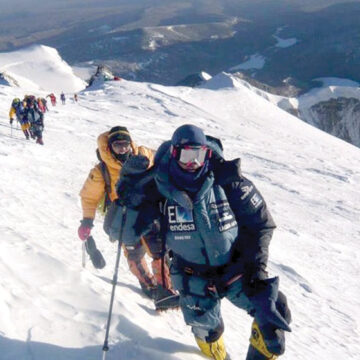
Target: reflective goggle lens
(121, 144)
(193, 154)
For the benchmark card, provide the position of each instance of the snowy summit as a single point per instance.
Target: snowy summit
(53, 308)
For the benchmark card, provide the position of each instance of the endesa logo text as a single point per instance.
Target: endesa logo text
(180, 219)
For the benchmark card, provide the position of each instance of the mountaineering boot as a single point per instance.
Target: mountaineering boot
(148, 290)
(39, 140)
(165, 299)
(214, 350)
(257, 348)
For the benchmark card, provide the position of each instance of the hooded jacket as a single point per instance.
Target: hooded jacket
(94, 187)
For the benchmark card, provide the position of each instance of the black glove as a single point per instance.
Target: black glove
(11, 121)
(254, 281)
(264, 303)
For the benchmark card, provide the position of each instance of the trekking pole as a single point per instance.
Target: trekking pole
(114, 282)
(11, 132)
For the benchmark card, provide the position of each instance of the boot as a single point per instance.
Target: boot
(149, 291)
(140, 269)
(257, 348)
(214, 350)
(26, 133)
(39, 140)
(165, 299)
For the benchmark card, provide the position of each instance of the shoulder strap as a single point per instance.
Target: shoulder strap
(105, 173)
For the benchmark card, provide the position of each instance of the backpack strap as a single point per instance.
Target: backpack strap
(106, 176)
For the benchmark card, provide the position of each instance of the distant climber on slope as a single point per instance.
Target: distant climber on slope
(62, 97)
(52, 99)
(17, 109)
(35, 117)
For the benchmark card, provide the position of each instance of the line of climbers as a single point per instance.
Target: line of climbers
(62, 98)
(29, 112)
(194, 210)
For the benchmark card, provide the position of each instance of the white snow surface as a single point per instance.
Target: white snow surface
(256, 61)
(285, 43)
(52, 308)
(27, 67)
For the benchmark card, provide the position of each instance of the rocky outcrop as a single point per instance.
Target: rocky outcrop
(102, 74)
(194, 80)
(337, 116)
(8, 80)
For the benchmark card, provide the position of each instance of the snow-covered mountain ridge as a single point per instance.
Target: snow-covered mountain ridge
(333, 108)
(52, 308)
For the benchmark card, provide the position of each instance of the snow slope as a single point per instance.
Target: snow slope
(52, 308)
(28, 66)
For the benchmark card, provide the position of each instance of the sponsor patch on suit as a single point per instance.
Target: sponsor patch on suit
(180, 219)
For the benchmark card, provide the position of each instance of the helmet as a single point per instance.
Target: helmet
(16, 101)
(188, 135)
(189, 146)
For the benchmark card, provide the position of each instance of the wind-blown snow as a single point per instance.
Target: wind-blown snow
(52, 308)
(28, 65)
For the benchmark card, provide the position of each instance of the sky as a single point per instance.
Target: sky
(53, 308)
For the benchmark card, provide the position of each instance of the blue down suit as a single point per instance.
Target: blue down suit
(218, 241)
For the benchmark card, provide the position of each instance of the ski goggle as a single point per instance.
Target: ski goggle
(190, 154)
(124, 145)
